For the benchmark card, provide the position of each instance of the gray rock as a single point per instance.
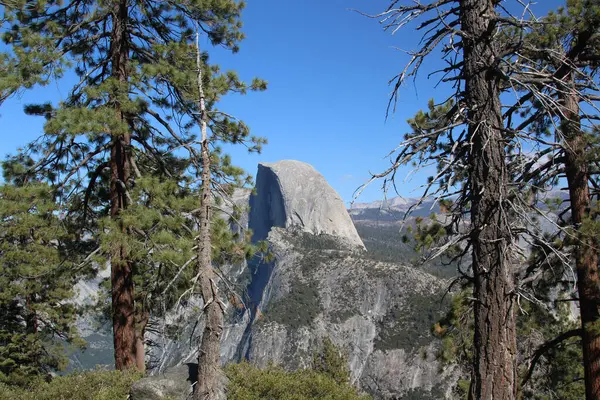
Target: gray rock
(378, 313)
(293, 194)
(175, 384)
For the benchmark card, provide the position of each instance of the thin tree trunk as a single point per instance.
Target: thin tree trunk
(207, 387)
(142, 318)
(31, 321)
(121, 268)
(586, 255)
(494, 359)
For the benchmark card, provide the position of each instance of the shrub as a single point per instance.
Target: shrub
(332, 361)
(91, 385)
(250, 383)
(299, 308)
(410, 326)
(36, 281)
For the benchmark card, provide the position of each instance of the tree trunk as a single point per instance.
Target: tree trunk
(31, 321)
(586, 255)
(494, 358)
(142, 318)
(208, 385)
(123, 307)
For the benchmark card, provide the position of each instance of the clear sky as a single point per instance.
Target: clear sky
(327, 69)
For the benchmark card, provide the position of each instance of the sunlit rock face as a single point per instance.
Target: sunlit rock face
(320, 283)
(293, 194)
(379, 314)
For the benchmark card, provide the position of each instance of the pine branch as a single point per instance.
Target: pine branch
(544, 348)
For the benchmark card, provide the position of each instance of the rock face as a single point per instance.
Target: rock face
(320, 284)
(380, 314)
(293, 194)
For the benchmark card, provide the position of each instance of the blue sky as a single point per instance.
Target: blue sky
(327, 69)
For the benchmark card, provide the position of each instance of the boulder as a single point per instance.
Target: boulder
(293, 194)
(174, 384)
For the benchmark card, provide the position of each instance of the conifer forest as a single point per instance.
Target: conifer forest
(426, 225)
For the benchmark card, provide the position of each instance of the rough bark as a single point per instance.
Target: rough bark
(122, 289)
(586, 254)
(209, 373)
(494, 364)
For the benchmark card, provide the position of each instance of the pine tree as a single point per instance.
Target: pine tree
(134, 105)
(465, 137)
(552, 62)
(559, 60)
(37, 276)
(37, 65)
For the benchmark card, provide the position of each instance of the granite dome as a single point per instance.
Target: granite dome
(293, 194)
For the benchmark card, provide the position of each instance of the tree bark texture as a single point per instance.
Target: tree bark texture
(209, 372)
(122, 290)
(586, 254)
(494, 359)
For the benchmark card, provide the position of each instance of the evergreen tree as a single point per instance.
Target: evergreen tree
(552, 62)
(134, 105)
(37, 278)
(24, 68)
(559, 63)
(331, 361)
(465, 136)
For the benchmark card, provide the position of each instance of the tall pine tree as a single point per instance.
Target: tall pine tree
(559, 61)
(465, 137)
(38, 271)
(134, 103)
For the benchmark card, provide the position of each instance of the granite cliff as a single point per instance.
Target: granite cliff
(321, 283)
(292, 194)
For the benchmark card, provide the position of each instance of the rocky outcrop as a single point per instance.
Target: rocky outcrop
(321, 284)
(380, 314)
(176, 384)
(293, 194)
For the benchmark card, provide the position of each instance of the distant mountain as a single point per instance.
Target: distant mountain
(392, 210)
(395, 203)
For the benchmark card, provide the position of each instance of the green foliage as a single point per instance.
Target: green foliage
(157, 99)
(298, 308)
(388, 243)
(250, 383)
(462, 388)
(150, 94)
(409, 326)
(91, 385)
(560, 371)
(159, 241)
(37, 276)
(422, 394)
(23, 68)
(246, 382)
(309, 241)
(561, 376)
(558, 374)
(331, 361)
(427, 235)
(456, 331)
